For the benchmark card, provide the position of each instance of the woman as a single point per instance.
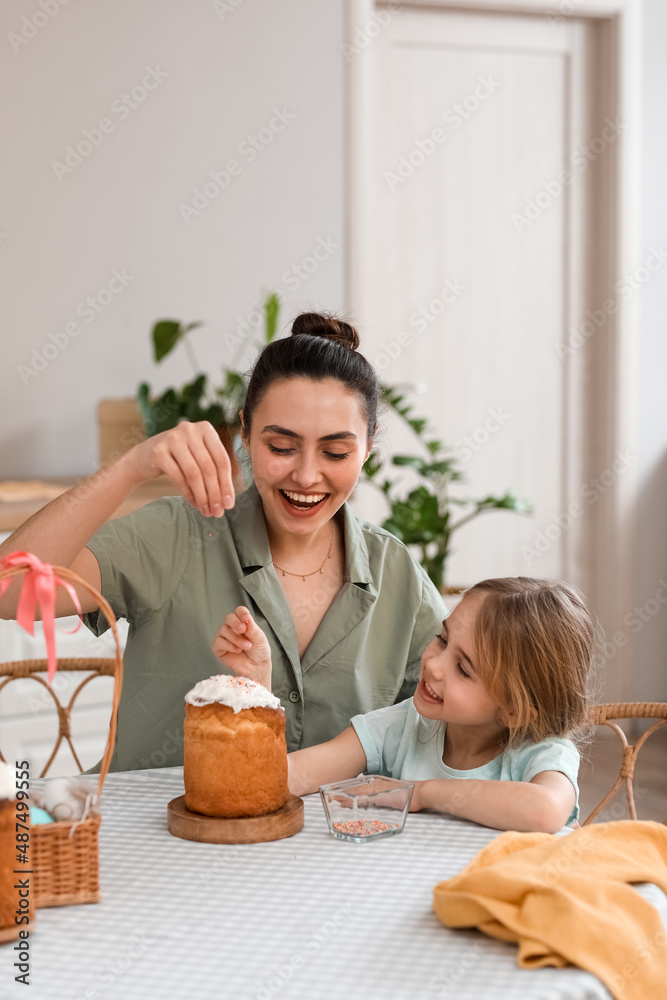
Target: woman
(345, 607)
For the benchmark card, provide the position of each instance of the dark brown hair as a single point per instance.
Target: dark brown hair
(320, 347)
(535, 643)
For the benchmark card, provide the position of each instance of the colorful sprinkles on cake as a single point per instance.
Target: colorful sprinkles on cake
(363, 827)
(234, 691)
(231, 682)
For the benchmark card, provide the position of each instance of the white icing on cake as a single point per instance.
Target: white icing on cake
(236, 692)
(7, 781)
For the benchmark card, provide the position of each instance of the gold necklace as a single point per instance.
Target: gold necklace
(287, 572)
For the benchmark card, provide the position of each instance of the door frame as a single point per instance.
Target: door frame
(613, 588)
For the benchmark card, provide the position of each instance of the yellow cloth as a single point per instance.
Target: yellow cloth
(567, 901)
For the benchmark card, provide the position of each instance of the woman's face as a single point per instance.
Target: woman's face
(307, 444)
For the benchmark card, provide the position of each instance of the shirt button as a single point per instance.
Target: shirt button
(294, 696)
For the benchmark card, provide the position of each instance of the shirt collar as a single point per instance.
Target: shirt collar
(247, 524)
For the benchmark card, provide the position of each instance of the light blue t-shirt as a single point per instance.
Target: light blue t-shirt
(399, 743)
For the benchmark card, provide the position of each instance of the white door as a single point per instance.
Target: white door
(473, 262)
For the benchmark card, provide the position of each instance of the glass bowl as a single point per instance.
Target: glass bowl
(366, 808)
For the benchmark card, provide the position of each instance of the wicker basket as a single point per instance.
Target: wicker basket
(65, 857)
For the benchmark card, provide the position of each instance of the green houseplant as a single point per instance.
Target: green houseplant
(426, 517)
(198, 400)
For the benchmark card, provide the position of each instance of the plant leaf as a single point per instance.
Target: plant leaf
(159, 414)
(414, 461)
(372, 465)
(166, 334)
(271, 311)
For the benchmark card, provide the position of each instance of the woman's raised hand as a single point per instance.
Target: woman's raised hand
(242, 646)
(194, 458)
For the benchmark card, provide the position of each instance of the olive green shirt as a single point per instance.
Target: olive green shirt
(174, 575)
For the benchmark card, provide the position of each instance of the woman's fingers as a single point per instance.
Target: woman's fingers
(212, 470)
(172, 469)
(194, 458)
(198, 460)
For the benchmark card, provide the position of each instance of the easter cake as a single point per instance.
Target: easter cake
(235, 757)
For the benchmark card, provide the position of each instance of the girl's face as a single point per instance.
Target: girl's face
(307, 444)
(449, 687)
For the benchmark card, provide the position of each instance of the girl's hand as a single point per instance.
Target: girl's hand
(417, 801)
(194, 458)
(243, 647)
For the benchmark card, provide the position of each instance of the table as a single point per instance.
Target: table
(13, 513)
(307, 918)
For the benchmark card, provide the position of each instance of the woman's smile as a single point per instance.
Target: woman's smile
(303, 503)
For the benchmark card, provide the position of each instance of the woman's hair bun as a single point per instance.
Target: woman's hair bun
(323, 325)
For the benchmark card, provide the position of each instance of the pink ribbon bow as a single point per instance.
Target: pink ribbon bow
(39, 588)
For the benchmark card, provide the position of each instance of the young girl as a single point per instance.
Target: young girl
(484, 737)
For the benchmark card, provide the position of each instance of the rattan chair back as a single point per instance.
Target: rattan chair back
(607, 715)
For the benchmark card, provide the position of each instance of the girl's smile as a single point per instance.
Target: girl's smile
(427, 692)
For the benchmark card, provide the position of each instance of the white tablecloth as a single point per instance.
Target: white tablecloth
(308, 918)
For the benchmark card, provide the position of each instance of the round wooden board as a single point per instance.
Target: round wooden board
(277, 825)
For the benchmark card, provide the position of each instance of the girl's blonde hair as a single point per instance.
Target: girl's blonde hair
(535, 644)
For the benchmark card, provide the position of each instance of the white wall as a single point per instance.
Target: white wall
(61, 239)
(651, 639)
(120, 207)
